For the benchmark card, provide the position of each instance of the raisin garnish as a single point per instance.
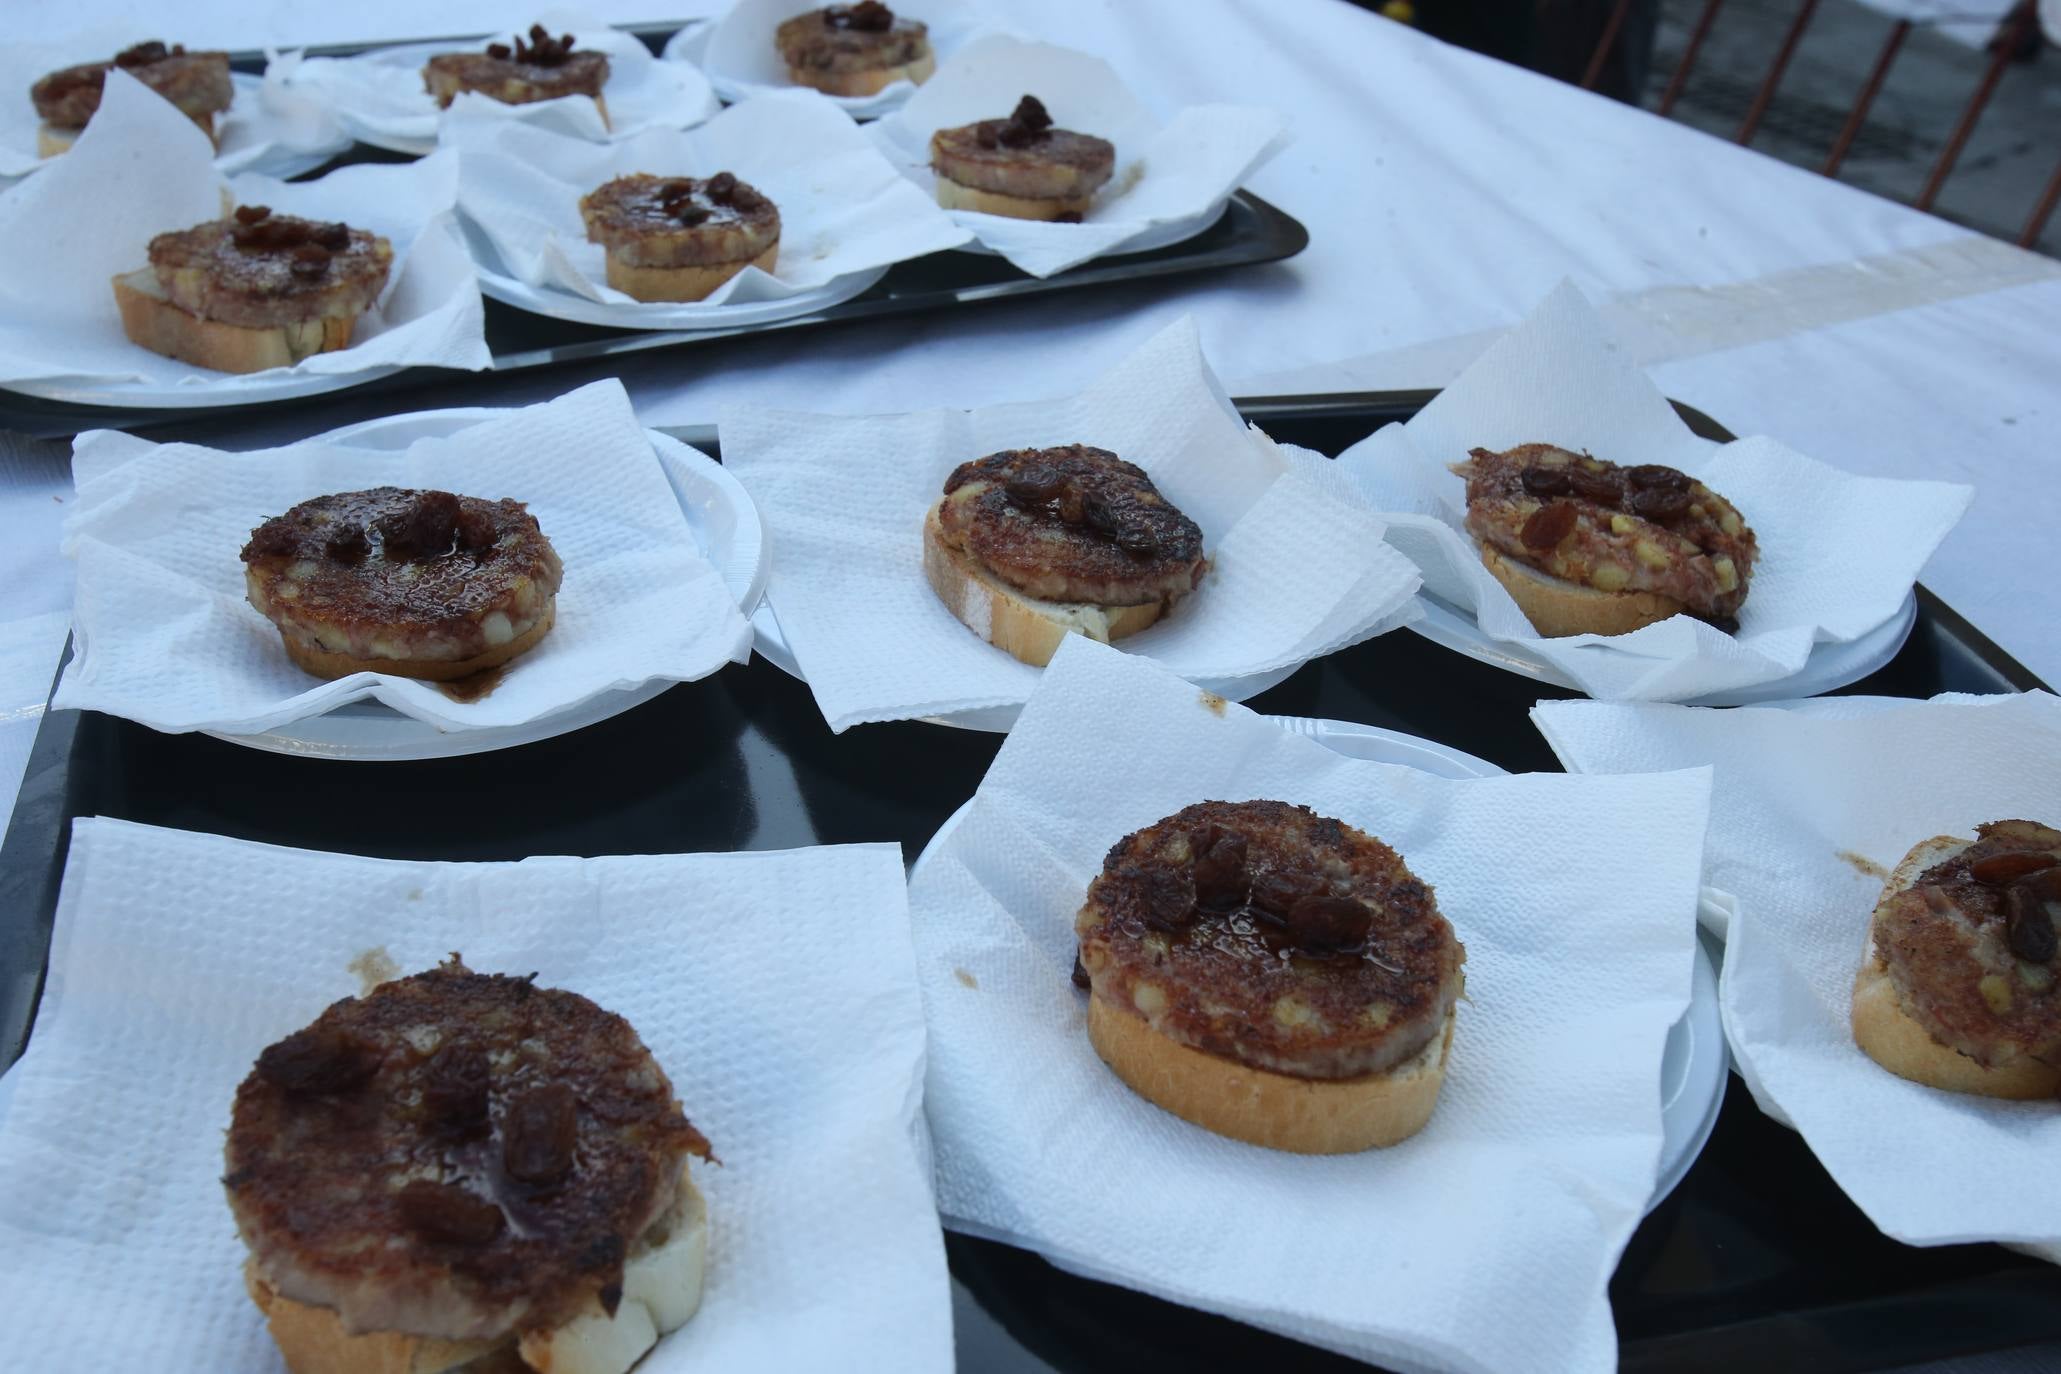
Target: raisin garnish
(144, 54)
(1656, 476)
(310, 262)
(1166, 896)
(1658, 504)
(251, 214)
(347, 544)
(1027, 124)
(1035, 485)
(538, 1133)
(500, 51)
(1605, 488)
(448, 1214)
(542, 50)
(1546, 481)
(1548, 525)
(455, 1088)
(2029, 922)
(1220, 878)
(1322, 925)
(318, 1062)
(424, 529)
(2001, 870)
(476, 533)
(868, 16)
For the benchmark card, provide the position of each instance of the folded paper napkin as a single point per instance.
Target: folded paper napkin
(1485, 1242)
(1811, 810)
(177, 957)
(381, 98)
(843, 497)
(738, 54)
(162, 633)
(842, 208)
(1166, 172)
(142, 169)
(1838, 553)
(267, 124)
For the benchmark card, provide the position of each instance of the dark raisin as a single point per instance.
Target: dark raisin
(142, 55)
(1656, 477)
(1546, 481)
(722, 187)
(1220, 880)
(868, 16)
(422, 529)
(310, 262)
(1030, 113)
(475, 530)
(273, 539)
(318, 1062)
(455, 1088)
(1605, 488)
(1035, 485)
(1658, 504)
(251, 214)
(2000, 870)
(1277, 890)
(500, 51)
(1548, 525)
(538, 1132)
(334, 237)
(347, 544)
(446, 1213)
(1323, 924)
(1166, 896)
(2029, 922)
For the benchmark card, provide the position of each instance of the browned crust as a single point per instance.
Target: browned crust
(1341, 1116)
(155, 323)
(1222, 981)
(1556, 608)
(315, 1174)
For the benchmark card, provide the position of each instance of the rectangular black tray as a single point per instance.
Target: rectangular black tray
(1756, 1261)
(1251, 231)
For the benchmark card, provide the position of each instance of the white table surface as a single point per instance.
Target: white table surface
(1444, 194)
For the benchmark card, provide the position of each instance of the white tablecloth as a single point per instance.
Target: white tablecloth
(1444, 194)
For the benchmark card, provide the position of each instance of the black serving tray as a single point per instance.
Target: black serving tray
(1249, 232)
(1757, 1260)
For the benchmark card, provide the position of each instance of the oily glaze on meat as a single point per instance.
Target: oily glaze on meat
(1647, 528)
(1970, 946)
(392, 573)
(260, 270)
(1072, 524)
(851, 38)
(542, 68)
(1264, 933)
(1024, 156)
(650, 221)
(196, 82)
(454, 1154)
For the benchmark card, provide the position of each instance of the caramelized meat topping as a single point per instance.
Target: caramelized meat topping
(317, 1062)
(868, 16)
(1971, 946)
(542, 50)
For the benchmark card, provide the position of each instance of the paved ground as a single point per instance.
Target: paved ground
(2001, 173)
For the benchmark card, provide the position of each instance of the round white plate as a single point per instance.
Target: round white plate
(1158, 236)
(725, 525)
(495, 281)
(145, 395)
(771, 642)
(1695, 1061)
(1829, 666)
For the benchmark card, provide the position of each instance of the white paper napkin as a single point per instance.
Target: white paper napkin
(267, 126)
(1811, 810)
(380, 97)
(141, 169)
(1487, 1241)
(843, 209)
(843, 497)
(163, 634)
(1167, 172)
(738, 55)
(1838, 553)
(171, 968)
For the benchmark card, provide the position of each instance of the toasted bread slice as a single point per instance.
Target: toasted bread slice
(1025, 627)
(1556, 607)
(1895, 1040)
(1306, 1115)
(681, 283)
(326, 663)
(150, 319)
(953, 195)
(868, 81)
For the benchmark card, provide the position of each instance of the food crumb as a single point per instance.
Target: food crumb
(414, 894)
(966, 979)
(1214, 702)
(1866, 867)
(373, 967)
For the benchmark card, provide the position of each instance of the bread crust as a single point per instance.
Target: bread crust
(1891, 1037)
(954, 195)
(1025, 628)
(1557, 608)
(326, 663)
(1260, 1107)
(682, 283)
(866, 81)
(152, 321)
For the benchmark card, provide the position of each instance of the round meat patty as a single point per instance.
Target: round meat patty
(1024, 157)
(455, 1155)
(420, 583)
(841, 41)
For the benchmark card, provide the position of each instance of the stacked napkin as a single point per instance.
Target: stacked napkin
(1296, 575)
(1812, 807)
(1486, 1241)
(1172, 172)
(177, 957)
(163, 634)
(1838, 553)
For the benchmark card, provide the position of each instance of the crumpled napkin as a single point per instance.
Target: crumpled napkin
(141, 169)
(1487, 1241)
(737, 52)
(171, 968)
(1166, 172)
(1812, 808)
(1295, 577)
(843, 210)
(162, 633)
(380, 97)
(266, 129)
(1839, 553)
